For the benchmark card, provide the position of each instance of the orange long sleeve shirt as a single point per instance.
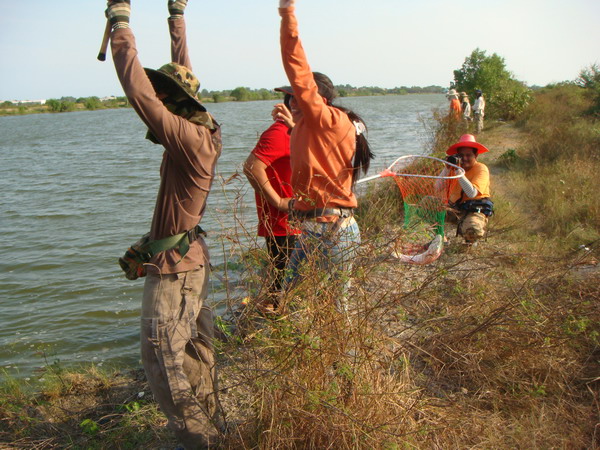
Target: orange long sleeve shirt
(455, 109)
(479, 176)
(323, 141)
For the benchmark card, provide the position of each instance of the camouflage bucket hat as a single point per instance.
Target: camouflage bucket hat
(175, 76)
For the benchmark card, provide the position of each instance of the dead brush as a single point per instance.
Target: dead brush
(493, 348)
(512, 348)
(330, 379)
(441, 131)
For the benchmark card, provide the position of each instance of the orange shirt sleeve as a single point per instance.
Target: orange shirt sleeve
(299, 73)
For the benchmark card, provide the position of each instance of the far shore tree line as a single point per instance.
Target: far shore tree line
(239, 94)
(506, 97)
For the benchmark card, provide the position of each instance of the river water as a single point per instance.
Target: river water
(78, 188)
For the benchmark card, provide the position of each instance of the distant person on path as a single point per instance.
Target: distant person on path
(328, 149)
(465, 107)
(479, 111)
(455, 110)
(268, 170)
(176, 325)
(470, 194)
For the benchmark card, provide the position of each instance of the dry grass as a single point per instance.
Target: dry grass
(559, 166)
(493, 349)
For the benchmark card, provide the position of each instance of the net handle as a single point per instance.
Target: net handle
(389, 173)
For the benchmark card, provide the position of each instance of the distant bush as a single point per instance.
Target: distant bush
(60, 105)
(218, 98)
(589, 78)
(92, 103)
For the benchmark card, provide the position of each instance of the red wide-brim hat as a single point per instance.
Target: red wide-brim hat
(467, 141)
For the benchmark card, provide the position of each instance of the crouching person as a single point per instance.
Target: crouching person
(176, 324)
(470, 194)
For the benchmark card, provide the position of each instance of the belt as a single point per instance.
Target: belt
(180, 241)
(321, 212)
(327, 227)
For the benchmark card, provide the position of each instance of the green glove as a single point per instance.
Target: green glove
(176, 8)
(118, 13)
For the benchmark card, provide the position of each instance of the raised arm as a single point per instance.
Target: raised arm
(173, 131)
(179, 48)
(297, 69)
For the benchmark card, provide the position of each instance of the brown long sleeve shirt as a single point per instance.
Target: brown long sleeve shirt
(189, 159)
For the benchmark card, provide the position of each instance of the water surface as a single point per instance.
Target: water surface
(78, 188)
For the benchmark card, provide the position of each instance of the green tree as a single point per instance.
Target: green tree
(67, 106)
(505, 96)
(589, 78)
(264, 94)
(241, 94)
(92, 103)
(53, 105)
(60, 106)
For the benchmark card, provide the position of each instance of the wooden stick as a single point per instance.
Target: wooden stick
(104, 45)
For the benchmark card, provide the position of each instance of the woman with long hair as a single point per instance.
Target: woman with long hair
(328, 150)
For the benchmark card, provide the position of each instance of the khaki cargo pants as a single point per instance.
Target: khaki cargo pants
(178, 357)
(473, 226)
(478, 117)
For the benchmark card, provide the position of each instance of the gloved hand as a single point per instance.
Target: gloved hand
(176, 8)
(286, 3)
(453, 159)
(118, 12)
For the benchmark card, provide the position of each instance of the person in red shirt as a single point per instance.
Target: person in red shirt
(268, 170)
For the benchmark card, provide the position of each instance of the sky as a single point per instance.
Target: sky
(48, 49)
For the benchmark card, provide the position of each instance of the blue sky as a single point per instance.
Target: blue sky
(49, 51)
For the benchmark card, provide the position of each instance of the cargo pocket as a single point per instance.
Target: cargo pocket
(171, 338)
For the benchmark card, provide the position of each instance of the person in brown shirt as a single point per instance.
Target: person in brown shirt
(176, 325)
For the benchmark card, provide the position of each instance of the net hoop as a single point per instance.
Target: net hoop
(459, 170)
(389, 173)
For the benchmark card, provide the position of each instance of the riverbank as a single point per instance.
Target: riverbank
(495, 347)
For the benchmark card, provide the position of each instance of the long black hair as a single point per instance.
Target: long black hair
(363, 155)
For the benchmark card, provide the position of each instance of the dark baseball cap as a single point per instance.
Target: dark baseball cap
(285, 90)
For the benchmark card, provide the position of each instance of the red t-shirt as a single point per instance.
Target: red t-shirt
(273, 149)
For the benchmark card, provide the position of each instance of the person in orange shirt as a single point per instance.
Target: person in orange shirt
(328, 149)
(455, 106)
(470, 194)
